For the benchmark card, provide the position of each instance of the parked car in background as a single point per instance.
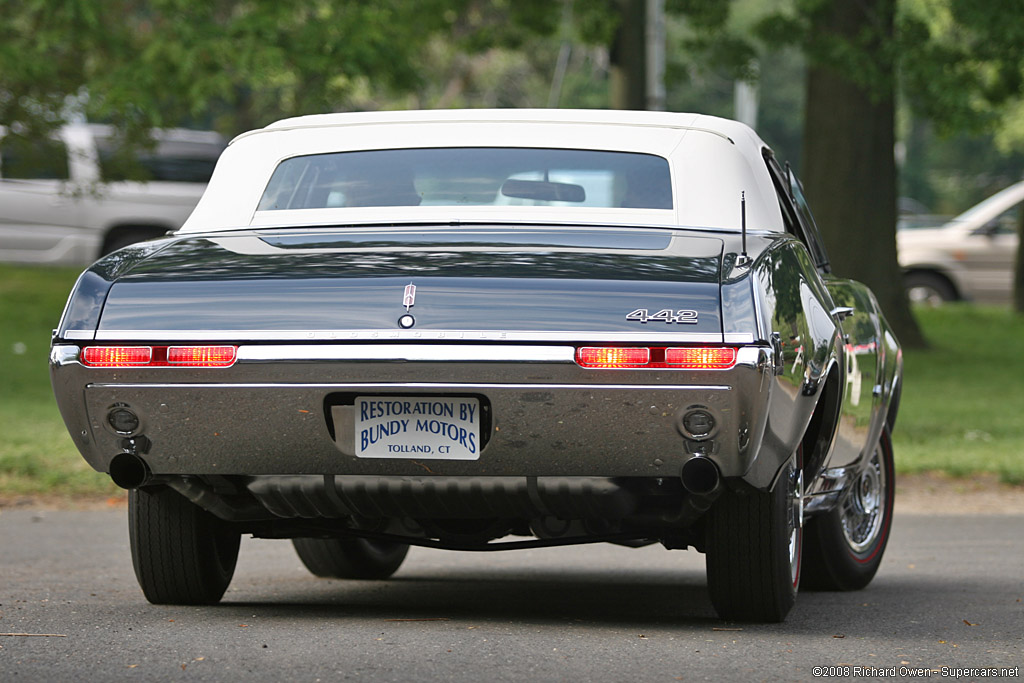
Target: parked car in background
(971, 257)
(446, 328)
(75, 197)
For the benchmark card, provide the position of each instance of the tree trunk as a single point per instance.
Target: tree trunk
(629, 57)
(848, 165)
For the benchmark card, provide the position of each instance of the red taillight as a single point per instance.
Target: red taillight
(159, 356)
(117, 356)
(612, 357)
(655, 357)
(201, 356)
(698, 358)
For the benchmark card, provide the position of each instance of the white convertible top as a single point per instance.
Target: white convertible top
(712, 160)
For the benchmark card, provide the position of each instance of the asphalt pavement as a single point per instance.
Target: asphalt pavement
(949, 594)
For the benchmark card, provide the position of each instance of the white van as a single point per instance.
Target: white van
(66, 200)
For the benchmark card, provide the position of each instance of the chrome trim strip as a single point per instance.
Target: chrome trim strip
(63, 354)
(759, 317)
(739, 338)
(821, 502)
(824, 493)
(67, 304)
(407, 385)
(498, 353)
(78, 334)
(389, 223)
(749, 355)
(409, 352)
(420, 335)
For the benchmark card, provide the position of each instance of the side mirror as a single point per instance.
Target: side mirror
(988, 229)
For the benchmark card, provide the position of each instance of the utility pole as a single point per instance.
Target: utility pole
(655, 35)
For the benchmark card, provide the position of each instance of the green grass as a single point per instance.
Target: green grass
(963, 399)
(962, 409)
(36, 453)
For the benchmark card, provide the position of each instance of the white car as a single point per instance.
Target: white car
(65, 201)
(969, 258)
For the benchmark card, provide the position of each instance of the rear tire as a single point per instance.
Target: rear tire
(350, 558)
(754, 550)
(182, 554)
(845, 545)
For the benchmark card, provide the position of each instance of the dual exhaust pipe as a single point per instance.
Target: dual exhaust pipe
(129, 471)
(703, 481)
(700, 476)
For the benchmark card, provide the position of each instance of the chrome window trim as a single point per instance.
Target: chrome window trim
(424, 335)
(78, 334)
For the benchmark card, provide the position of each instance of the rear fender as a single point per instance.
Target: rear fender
(795, 306)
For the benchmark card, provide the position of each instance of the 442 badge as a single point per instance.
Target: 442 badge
(665, 315)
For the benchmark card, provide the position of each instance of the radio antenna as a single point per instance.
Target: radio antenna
(743, 260)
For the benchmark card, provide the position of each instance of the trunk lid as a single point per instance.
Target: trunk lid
(352, 283)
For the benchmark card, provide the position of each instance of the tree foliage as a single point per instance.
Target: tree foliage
(239, 64)
(959, 63)
(158, 63)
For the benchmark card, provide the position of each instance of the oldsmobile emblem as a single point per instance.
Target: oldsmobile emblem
(409, 300)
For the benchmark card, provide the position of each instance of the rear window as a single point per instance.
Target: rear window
(470, 176)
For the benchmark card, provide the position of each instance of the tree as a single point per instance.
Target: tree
(957, 72)
(238, 64)
(629, 55)
(848, 165)
(235, 64)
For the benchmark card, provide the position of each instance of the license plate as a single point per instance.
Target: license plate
(417, 427)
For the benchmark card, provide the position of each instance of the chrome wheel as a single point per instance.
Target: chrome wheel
(844, 546)
(863, 510)
(795, 521)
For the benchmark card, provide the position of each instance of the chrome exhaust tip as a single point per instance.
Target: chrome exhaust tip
(129, 471)
(700, 476)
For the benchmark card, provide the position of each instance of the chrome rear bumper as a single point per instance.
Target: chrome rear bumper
(273, 412)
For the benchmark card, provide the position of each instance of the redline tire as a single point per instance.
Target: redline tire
(182, 554)
(844, 547)
(350, 558)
